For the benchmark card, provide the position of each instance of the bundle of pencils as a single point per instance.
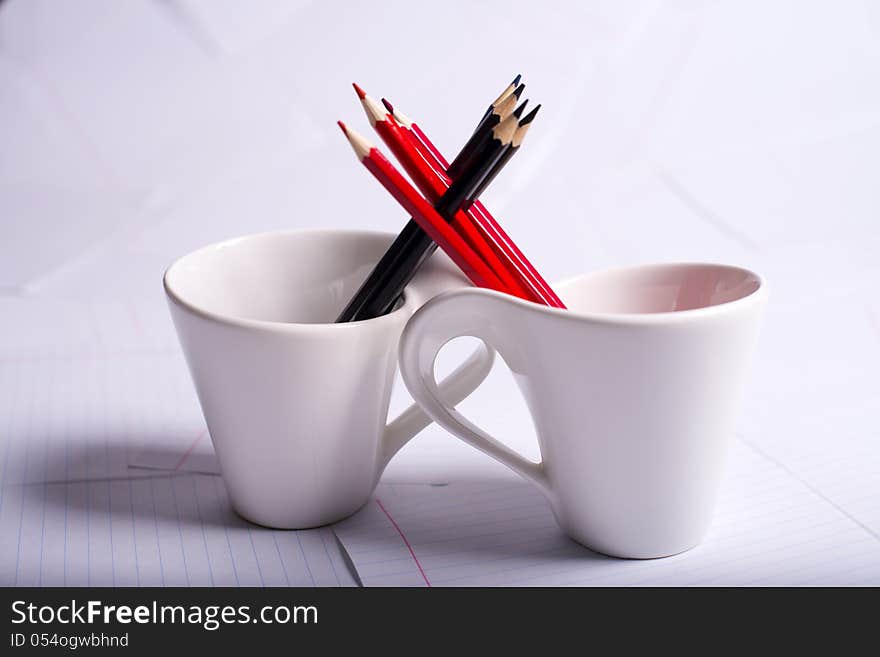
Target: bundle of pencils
(445, 209)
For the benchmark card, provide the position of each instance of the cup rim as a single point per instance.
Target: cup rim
(757, 295)
(245, 322)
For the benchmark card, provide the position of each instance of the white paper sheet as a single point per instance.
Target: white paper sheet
(132, 136)
(75, 404)
(771, 528)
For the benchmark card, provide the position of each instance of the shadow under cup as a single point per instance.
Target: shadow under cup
(296, 405)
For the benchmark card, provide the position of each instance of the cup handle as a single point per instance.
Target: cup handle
(454, 388)
(488, 316)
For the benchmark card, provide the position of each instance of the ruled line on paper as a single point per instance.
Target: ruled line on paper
(161, 531)
(769, 529)
(812, 488)
(73, 513)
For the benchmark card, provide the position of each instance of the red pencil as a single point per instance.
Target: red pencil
(474, 267)
(420, 139)
(433, 184)
(505, 247)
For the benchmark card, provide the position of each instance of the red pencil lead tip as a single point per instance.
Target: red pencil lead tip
(342, 125)
(388, 105)
(360, 92)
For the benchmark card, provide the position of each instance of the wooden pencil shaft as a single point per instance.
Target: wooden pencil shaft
(420, 248)
(495, 233)
(478, 229)
(503, 104)
(421, 166)
(477, 165)
(492, 118)
(400, 257)
(504, 94)
(399, 264)
(403, 259)
(469, 154)
(509, 152)
(438, 229)
(483, 119)
(466, 154)
(518, 137)
(464, 188)
(479, 162)
(388, 279)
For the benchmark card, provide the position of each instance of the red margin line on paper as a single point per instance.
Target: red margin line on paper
(406, 542)
(189, 450)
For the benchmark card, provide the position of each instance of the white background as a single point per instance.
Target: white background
(740, 132)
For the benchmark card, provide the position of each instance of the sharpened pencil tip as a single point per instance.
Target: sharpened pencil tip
(398, 116)
(375, 112)
(519, 110)
(360, 92)
(360, 145)
(528, 118)
(516, 79)
(518, 91)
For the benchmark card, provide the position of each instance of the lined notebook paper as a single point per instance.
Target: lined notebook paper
(800, 505)
(105, 477)
(83, 390)
(770, 529)
(152, 531)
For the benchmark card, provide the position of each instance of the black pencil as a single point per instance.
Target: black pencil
(497, 112)
(509, 89)
(511, 150)
(475, 150)
(386, 282)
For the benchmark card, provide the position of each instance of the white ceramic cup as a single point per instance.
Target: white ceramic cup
(296, 405)
(633, 391)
